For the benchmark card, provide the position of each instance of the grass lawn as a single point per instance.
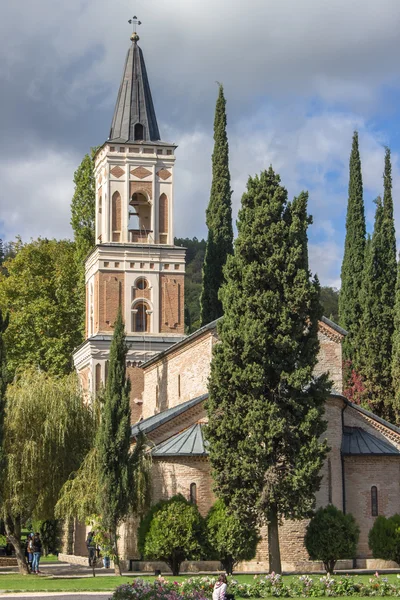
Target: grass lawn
(31, 583)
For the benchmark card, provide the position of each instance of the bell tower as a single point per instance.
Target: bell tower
(135, 264)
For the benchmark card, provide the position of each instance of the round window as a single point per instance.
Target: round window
(141, 284)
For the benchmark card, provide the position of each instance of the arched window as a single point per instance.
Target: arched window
(116, 217)
(374, 501)
(142, 284)
(163, 218)
(140, 318)
(139, 132)
(193, 493)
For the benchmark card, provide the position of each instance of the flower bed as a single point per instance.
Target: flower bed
(263, 586)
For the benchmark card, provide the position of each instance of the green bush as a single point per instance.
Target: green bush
(331, 536)
(384, 538)
(176, 533)
(229, 538)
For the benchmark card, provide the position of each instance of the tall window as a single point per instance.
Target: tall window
(374, 501)
(140, 318)
(139, 132)
(193, 493)
(116, 217)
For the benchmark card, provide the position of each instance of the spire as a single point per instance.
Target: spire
(134, 115)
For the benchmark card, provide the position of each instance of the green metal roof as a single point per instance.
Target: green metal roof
(159, 419)
(189, 442)
(357, 441)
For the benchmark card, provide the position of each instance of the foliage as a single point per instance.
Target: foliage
(3, 388)
(384, 538)
(330, 302)
(330, 536)
(229, 537)
(374, 346)
(353, 258)
(218, 218)
(83, 206)
(123, 475)
(355, 389)
(176, 533)
(47, 433)
(50, 534)
(265, 406)
(40, 293)
(193, 276)
(396, 350)
(159, 589)
(3, 541)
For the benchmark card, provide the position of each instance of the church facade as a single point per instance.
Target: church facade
(135, 265)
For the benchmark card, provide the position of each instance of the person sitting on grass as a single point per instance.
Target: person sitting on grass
(220, 588)
(37, 550)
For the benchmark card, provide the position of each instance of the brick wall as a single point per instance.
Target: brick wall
(163, 214)
(361, 473)
(136, 376)
(330, 359)
(110, 297)
(180, 376)
(174, 476)
(172, 304)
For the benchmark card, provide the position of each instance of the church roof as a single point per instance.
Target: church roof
(189, 442)
(134, 103)
(358, 441)
(155, 421)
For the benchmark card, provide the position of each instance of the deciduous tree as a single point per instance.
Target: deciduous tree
(40, 293)
(47, 432)
(219, 219)
(265, 406)
(230, 538)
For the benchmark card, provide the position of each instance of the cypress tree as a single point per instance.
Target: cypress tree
(265, 406)
(115, 465)
(396, 352)
(218, 218)
(353, 259)
(374, 355)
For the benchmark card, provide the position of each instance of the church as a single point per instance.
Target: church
(136, 266)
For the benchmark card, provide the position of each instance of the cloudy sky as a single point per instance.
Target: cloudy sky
(299, 77)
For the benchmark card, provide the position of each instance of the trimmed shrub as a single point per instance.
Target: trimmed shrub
(230, 538)
(176, 533)
(384, 538)
(331, 536)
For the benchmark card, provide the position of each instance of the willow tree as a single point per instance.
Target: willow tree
(47, 432)
(265, 405)
(3, 387)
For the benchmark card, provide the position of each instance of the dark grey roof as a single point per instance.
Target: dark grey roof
(358, 441)
(334, 326)
(189, 442)
(134, 103)
(159, 419)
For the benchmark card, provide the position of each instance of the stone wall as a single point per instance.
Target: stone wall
(361, 473)
(330, 357)
(136, 377)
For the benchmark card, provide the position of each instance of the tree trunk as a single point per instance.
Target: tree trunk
(13, 531)
(228, 564)
(273, 542)
(329, 566)
(117, 564)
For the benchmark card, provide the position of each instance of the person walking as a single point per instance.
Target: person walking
(91, 547)
(29, 550)
(37, 550)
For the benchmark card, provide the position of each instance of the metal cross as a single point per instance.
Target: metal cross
(134, 21)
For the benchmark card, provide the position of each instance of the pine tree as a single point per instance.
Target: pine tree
(219, 219)
(353, 259)
(374, 355)
(265, 407)
(117, 477)
(83, 207)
